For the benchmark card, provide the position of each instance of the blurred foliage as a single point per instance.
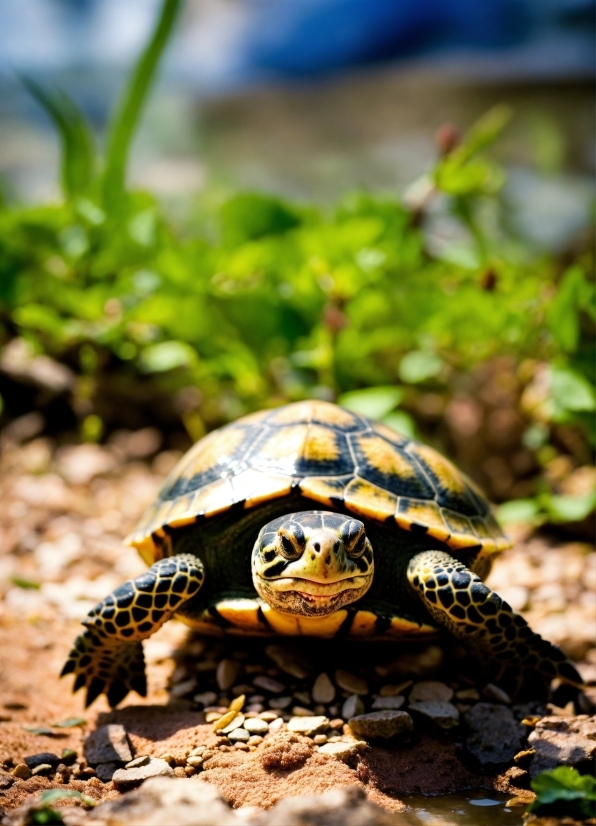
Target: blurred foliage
(564, 791)
(112, 318)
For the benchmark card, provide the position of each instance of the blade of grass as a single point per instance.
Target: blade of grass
(128, 112)
(78, 145)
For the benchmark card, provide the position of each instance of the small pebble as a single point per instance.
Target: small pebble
(467, 694)
(280, 702)
(212, 716)
(320, 739)
(300, 711)
(105, 771)
(256, 726)
(268, 684)
(344, 751)
(268, 716)
(226, 673)
(182, 689)
(430, 691)
(195, 760)
(276, 725)
(334, 710)
(241, 746)
(495, 694)
(303, 697)
(169, 758)
(382, 724)
(255, 740)
(199, 750)
(256, 698)
(323, 690)
(350, 682)
(205, 698)
(22, 771)
(337, 723)
(138, 761)
(244, 688)
(288, 662)
(308, 725)
(443, 714)
(256, 708)
(392, 690)
(43, 768)
(352, 707)
(43, 757)
(388, 702)
(125, 778)
(179, 772)
(239, 735)
(190, 771)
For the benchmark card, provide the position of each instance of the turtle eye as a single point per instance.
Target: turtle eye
(287, 547)
(355, 539)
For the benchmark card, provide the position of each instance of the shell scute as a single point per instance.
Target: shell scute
(388, 466)
(303, 450)
(367, 499)
(316, 412)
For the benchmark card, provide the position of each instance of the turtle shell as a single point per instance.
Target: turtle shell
(333, 457)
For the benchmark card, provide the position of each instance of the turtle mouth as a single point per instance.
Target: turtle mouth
(313, 590)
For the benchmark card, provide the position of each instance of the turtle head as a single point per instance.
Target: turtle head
(312, 563)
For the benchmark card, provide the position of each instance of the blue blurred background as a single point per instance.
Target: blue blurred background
(311, 97)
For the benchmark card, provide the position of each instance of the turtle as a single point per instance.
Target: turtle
(312, 520)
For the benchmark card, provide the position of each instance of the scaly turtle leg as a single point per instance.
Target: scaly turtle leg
(108, 656)
(459, 600)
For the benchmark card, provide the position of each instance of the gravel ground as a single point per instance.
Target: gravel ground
(260, 721)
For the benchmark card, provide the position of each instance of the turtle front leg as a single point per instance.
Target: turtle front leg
(108, 656)
(459, 600)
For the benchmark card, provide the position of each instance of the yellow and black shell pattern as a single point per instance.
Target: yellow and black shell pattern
(332, 457)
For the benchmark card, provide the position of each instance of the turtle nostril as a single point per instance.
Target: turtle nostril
(317, 547)
(327, 560)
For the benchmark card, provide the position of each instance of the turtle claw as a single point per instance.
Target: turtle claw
(113, 670)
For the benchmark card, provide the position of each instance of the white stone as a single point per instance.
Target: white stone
(308, 725)
(352, 707)
(256, 726)
(323, 690)
(381, 703)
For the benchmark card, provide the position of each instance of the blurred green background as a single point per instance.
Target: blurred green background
(341, 241)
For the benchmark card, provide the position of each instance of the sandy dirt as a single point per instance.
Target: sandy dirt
(65, 512)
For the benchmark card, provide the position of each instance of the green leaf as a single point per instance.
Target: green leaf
(157, 358)
(126, 118)
(567, 786)
(51, 796)
(575, 293)
(418, 366)
(563, 509)
(39, 730)
(519, 512)
(22, 582)
(401, 422)
(571, 391)
(71, 722)
(78, 145)
(253, 215)
(46, 815)
(374, 402)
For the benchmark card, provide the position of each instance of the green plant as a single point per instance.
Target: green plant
(564, 791)
(263, 301)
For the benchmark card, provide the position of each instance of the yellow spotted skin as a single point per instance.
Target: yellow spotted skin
(332, 457)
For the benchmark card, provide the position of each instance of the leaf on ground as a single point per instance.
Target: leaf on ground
(70, 722)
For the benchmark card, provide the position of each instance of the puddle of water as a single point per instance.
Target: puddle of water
(469, 809)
